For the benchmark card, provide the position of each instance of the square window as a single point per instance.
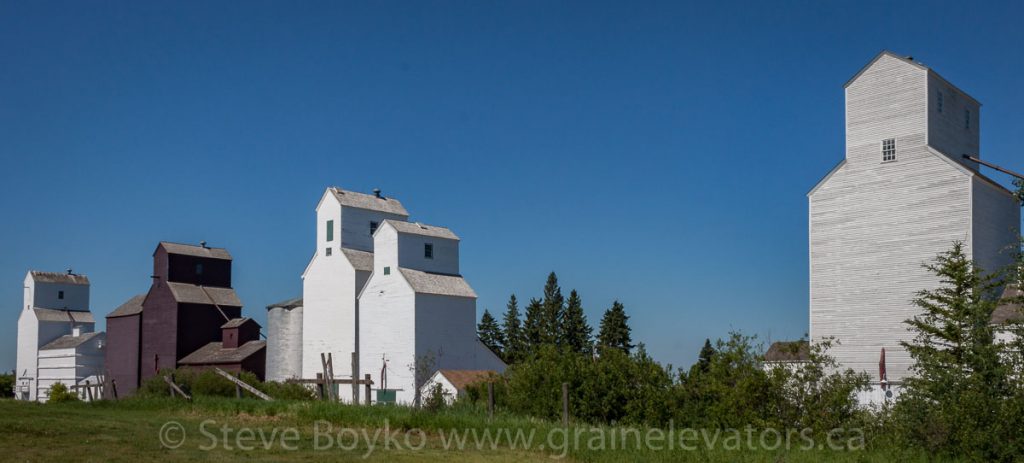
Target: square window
(889, 150)
(199, 269)
(60, 294)
(328, 250)
(330, 230)
(387, 270)
(373, 227)
(428, 251)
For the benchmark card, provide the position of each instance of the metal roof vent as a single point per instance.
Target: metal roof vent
(376, 192)
(202, 244)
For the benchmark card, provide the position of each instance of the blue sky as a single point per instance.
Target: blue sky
(655, 153)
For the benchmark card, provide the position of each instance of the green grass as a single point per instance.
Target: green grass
(129, 431)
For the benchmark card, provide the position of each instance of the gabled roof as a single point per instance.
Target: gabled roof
(287, 303)
(909, 60)
(1011, 309)
(416, 228)
(197, 251)
(788, 351)
(463, 378)
(59, 277)
(437, 283)
(68, 341)
(371, 202)
(360, 260)
(130, 307)
(185, 293)
(827, 176)
(215, 353)
(236, 322)
(54, 315)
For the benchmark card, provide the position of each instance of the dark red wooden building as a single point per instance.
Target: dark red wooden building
(124, 337)
(239, 350)
(188, 302)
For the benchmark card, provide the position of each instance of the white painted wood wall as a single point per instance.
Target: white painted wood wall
(873, 224)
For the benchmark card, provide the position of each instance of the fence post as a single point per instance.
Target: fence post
(238, 389)
(170, 385)
(113, 387)
(490, 400)
(565, 404)
(366, 380)
(88, 391)
(320, 385)
(355, 377)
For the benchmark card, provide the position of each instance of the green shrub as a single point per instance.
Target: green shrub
(437, 398)
(60, 393)
(286, 391)
(7, 385)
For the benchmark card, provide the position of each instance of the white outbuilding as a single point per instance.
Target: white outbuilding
(55, 317)
(454, 383)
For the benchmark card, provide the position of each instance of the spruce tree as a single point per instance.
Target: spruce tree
(515, 338)
(959, 378)
(1019, 183)
(490, 333)
(706, 353)
(614, 333)
(554, 305)
(574, 331)
(534, 328)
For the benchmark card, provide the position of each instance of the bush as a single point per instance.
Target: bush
(286, 391)
(60, 393)
(208, 383)
(7, 385)
(437, 399)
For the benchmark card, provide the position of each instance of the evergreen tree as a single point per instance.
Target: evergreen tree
(706, 353)
(490, 333)
(574, 331)
(615, 329)
(954, 399)
(1019, 183)
(554, 305)
(534, 328)
(515, 338)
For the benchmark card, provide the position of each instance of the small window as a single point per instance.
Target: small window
(387, 270)
(60, 294)
(889, 150)
(199, 269)
(328, 251)
(939, 102)
(428, 251)
(373, 227)
(967, 119)
(330, 230)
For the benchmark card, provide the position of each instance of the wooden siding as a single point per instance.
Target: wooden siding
(888, 100)
(124, 335)
(946, 130)
(872, 226)
(995, 225)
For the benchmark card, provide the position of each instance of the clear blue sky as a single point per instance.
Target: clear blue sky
(655, 153)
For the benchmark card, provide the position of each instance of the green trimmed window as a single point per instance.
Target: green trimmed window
(330, 230)
(387, 270)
